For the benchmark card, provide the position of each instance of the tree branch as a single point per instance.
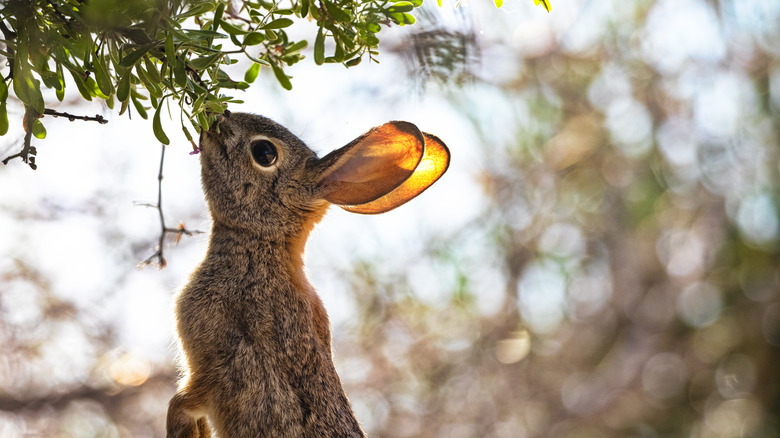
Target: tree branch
(27, 154)
(164, 230)
(98, 118)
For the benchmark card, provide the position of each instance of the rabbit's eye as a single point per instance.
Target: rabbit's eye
(264, 153)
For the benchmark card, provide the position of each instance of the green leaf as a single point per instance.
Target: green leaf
(38, 130)
(296, 47)
(353, 62)
(279, 23)
(258, 60)
(304, 8)
(170, 49)
(253, 38)
(26, 87)
(319, 47)
(60, 92)
(180, 72)
(157, 127)
(283, 79)
(101, 75)
(218, 15)
(3, 117)
(544, 3)
(93, 88)
(139, 106)
(337, 13)
(193, 34)
(82, 87)
(338, 54)
(251, 73)
(195, 10)
(151, 69)
(3, 90)
(148, 83)
(123, 88)
(405, 6)
(205, 61)
(134, 56)
(189, 137)
(402, 18)
(232, 29)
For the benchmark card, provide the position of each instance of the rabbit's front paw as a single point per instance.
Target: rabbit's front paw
(183, 425)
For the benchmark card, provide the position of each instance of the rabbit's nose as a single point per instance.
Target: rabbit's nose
(220, 118)
(223, 116)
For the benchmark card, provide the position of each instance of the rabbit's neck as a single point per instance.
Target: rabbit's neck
(236, 253)
(277, 251)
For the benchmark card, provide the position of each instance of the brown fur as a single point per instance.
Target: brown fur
(254, 334)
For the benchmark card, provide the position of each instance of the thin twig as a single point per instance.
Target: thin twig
(164, 230)
(98, 118)
(27, 154)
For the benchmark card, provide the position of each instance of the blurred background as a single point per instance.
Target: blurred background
(601, 259)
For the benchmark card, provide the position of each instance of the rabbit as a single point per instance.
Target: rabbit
(254, 335)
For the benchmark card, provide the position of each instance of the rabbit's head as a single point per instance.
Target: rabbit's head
(258, 176)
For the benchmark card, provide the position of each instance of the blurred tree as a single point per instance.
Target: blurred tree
(630, 241)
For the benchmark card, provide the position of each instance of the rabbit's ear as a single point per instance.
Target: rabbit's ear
(382, 169)
(435, 161)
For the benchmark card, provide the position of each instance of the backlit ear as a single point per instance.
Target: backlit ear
(372, 165)
(435, 161)
(383, 169)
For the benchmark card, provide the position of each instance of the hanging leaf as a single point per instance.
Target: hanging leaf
(251, 73)
(139, 106)
(180, 72)
(545, 4)
(204, 61)
(26, 87)
(253, 38)
(101, 75)
(170, 49)
(279, 23)
(134, 56)
(38, 130)
(123, 88)
(3, 117)
(231, 29)
(82, 87)
(157, 127)
(319, 48)
(283, 79)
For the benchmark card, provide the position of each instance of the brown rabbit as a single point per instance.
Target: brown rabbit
(254, 333)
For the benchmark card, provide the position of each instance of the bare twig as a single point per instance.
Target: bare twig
(164, 230)
(28, 151)
(98, 118)
(27, 154)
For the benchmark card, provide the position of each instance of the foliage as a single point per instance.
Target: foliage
(141, 55)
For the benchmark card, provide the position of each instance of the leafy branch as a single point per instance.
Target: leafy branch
(141, 55)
